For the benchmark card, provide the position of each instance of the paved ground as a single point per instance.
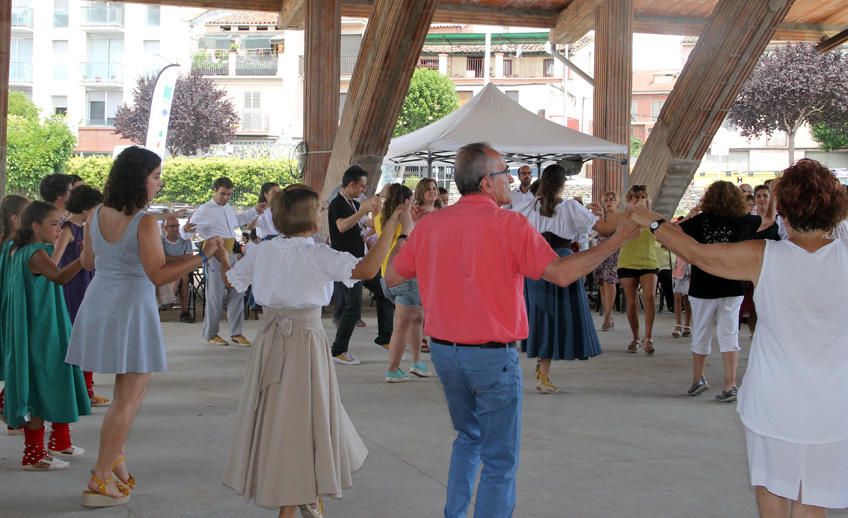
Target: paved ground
(621, 440)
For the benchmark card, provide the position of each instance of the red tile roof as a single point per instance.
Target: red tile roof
(246, 18)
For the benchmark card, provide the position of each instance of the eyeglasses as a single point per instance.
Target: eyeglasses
(505, 171)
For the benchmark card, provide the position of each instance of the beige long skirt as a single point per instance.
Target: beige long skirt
(293, 439)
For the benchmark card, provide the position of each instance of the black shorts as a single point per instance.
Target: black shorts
(633, 273)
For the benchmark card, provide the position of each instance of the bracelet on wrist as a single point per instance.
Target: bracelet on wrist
(203, 258)
(403, 236)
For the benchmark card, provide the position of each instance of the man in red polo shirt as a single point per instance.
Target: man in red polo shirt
(470, 260)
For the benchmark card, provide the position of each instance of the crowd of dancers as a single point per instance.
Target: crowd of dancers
(498, 272)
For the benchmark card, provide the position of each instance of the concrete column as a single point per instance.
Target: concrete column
(321, 86)
(5, 53)
(231, 62)
(613, 84)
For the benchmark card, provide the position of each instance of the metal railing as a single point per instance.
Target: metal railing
(211, 69)
(20, 72)
(60, 18)
(254, 121)
(102, 72)
(103, 15)
(256, 65)
(347, 65)
(21, 16)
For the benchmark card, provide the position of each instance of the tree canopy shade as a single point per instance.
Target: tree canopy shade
(789, 87)
(201, 115)
(35, 148)
(430, 97)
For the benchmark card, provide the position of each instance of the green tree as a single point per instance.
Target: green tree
(35, 148)
(831, 137)
(430, 97)
(635, 145)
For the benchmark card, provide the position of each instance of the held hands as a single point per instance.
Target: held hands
(405, 216)
(260, 207)
(596, 209)
(627, 228)
(189, 227)
(371, 204)
(642, 216)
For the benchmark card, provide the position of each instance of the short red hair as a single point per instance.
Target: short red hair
(810, 197)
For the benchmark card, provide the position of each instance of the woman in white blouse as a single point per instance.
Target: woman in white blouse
(265, 228)
(793, 399)
(294, 442)
(561, 325)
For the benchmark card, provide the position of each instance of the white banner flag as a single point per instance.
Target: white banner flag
(160, 109)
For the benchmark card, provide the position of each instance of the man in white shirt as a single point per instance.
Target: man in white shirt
(216, 218)
(522, 196)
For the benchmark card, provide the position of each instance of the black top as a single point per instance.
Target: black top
(350, 241)
(706, 228)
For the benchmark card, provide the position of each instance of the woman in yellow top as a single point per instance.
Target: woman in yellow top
(409, 317)
(637, 266)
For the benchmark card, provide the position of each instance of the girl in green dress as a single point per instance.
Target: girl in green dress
(10, 220)
(40, 386)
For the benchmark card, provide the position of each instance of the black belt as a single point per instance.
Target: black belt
(487, 345)
(555, 241)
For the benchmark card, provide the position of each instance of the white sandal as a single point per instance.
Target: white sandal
(75, 451)
(48, 463)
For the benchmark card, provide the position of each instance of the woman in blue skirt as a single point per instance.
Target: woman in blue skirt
(561, 326)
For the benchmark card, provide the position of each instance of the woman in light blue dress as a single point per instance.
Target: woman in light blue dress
(117, 328)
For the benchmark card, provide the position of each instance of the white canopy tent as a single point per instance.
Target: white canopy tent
(491, 116)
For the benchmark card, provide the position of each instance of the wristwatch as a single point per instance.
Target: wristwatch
(403, 236)
(655, 225)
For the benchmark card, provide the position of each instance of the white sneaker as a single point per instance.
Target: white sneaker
(48, 463)
(73, 451)
(346, 359)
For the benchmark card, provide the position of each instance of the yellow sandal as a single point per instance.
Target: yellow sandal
(101, 498)
(128, 484)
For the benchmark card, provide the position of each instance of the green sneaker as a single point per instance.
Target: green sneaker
(420, 369)
(397, 376)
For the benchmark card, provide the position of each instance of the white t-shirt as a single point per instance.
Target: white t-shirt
(796, 385)
(293, 272)
(520, 199)
(570, 219)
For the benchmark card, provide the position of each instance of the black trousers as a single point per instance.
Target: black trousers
(666, 289)
(385, 310)
(349, 305)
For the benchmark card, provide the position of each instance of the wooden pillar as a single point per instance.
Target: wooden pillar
(388, 56)
(726, 53)
(5, 48)
(613, 89)
(321, 86)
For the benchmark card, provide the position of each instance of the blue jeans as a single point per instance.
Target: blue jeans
(483, 391)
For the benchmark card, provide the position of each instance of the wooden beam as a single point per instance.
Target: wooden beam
(613, 90)
(389, 53)
(574, 21)
(321, 86)
(5, 48)
(727, 50)
(693, 26)
(292, 14)
(833, 42)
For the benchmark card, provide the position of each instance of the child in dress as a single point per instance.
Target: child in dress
(82, 202)
(40, 386)
(10, 219)
(293, 441)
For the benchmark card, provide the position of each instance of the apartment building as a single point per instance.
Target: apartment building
(82, 58)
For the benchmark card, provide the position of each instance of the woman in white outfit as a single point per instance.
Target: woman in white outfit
(792, 400)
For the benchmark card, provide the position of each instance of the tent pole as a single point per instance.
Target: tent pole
(538, 168)
(429, 165)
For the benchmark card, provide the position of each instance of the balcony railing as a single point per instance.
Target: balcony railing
(20, 72)
(347, 64)
(256, 65)
(103, 72)
(255, 122)
(103, 15)
(21, 16)
(211, 69)
(60, 18)
(109, 121)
